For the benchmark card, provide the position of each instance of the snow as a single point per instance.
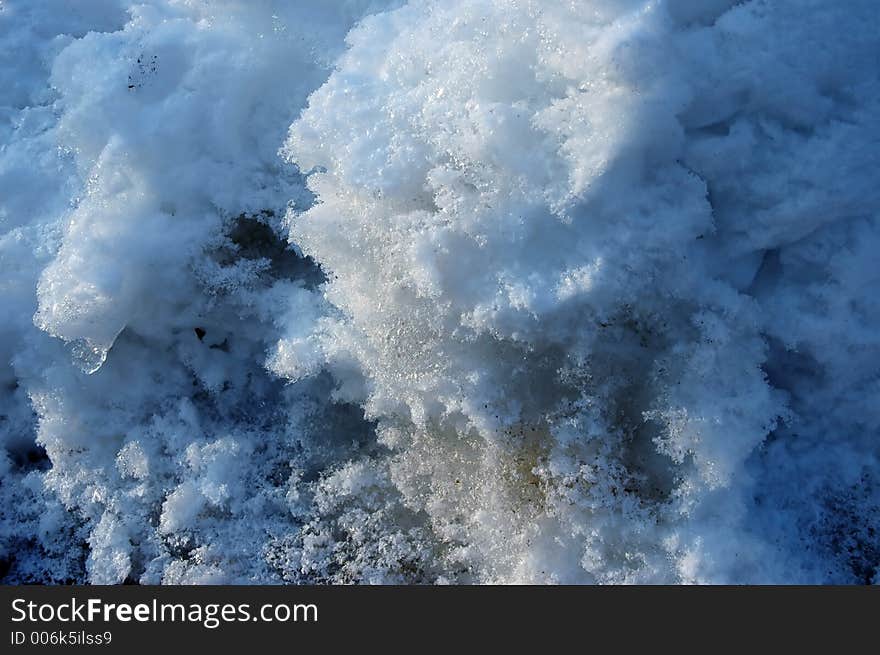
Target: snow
(439, 291)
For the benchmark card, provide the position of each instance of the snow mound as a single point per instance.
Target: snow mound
(572, 292)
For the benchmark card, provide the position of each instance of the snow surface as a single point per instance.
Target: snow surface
(440, 291)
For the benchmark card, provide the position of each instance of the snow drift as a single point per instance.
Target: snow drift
(533, 291)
